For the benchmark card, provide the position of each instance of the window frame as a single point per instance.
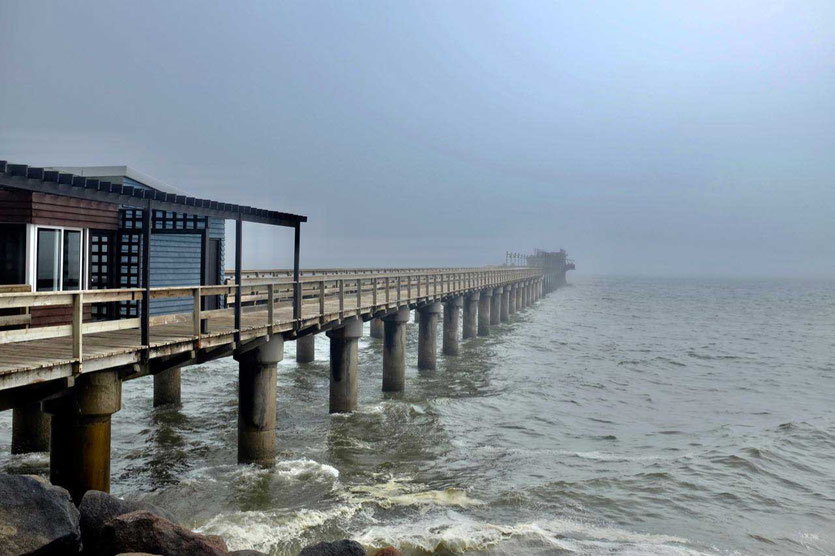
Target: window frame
(32, 252)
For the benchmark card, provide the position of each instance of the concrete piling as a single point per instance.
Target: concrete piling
(505, 310)
(167, 387)
(30, 429)
(427, 334)
(376, 327)
(452, 308)
(306, 348)
(519, 304)
(496, 306)
(394, 350)
(511, 300)
(257, 390)
(484, 303)
(470, 325)
(344, 365)
(79, 457)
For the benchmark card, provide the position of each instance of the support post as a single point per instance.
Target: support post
(496, 306)
(306, 348)
(520, 287)
(470, 328)
(79, 458)
(145, 319)
(239, 229)
(394, 350)
(484, 303)
(427, 336)
(505, 310)
(376, 327)
(167, 387)
(257, 387)
(452, 308)
(30, 429)
(297, 287)
(511, 300)
(344, 365)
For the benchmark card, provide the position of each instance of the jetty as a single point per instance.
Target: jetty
(84, 306)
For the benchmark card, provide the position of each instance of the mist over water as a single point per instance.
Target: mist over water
(630, 416)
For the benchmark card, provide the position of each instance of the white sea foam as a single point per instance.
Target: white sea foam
(306, 469)
(399, 492)
(454, 532)
(269, 531)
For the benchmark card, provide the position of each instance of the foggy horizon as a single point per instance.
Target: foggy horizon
(646, 140)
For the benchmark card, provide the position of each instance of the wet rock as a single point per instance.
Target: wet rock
(36, 517)
(388, 551)
(143, 531)
(97, 508)
(344, 547)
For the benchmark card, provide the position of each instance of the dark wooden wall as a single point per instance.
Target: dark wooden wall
(56, 210)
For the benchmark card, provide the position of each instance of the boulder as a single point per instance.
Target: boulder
(142, 531)
(36, 517)
(344, 547)
(388, 551)
(97, 508)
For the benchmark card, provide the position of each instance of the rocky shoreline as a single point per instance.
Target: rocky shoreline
(37, 517)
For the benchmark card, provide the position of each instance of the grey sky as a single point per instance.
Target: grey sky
(646, 138)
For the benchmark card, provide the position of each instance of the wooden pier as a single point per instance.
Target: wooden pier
(63, 375)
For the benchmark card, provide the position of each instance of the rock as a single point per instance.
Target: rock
(388, 551)
(36, 516)
(142, 531)
(97, 508)
(248, 553)
(344, 547)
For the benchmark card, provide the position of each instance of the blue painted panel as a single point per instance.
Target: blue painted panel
(175, 261)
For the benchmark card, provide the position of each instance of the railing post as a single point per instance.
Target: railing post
(398, 292)
(271, 308)
(409, 288)
(145, 323)
(341, 299)
(359, 296)
(374, 293)
(77, 331)
(388, 296)
(195, 292)
(417, 297)
(297, 287)
(322, 302)
(239, 229)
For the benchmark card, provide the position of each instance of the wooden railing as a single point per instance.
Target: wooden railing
(266, 302)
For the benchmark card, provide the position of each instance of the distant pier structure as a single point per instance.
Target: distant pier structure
(108, 276)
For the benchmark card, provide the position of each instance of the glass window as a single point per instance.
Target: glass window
(48, 259)
(12, 254)
(71, 273)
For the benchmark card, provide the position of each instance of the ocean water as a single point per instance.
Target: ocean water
(616, 416)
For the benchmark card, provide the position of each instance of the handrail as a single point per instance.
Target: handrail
(320, 298)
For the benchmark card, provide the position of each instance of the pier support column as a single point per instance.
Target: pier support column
(344, 365)
(167, 387)
(519, 288)
(30, 429)
(376, 327)
(505, 312)
(394, 350)
(257, 390)
(470, 329)
(484, 303)
(79, 457)
(306, 348)
(496, 306)
(427, 334)
(452, 309)
(511, 300)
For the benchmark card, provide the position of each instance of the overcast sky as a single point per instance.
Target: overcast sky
(669, 138)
